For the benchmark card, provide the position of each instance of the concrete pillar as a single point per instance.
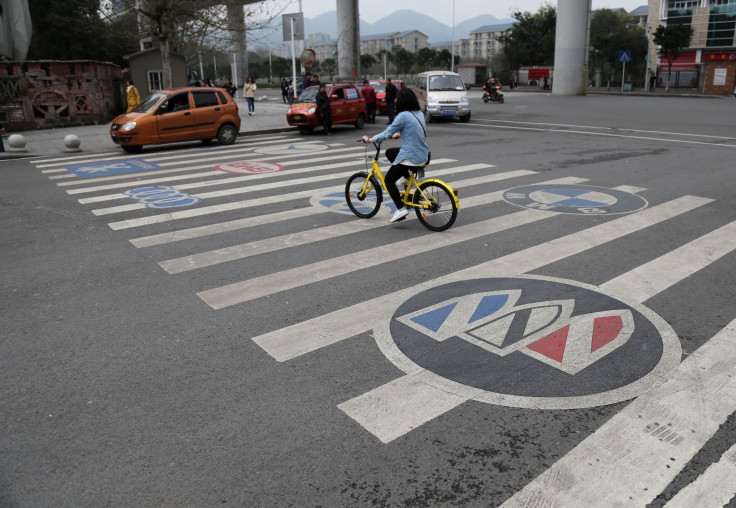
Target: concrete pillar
(238, 48)
(571, 47)
(348, 39)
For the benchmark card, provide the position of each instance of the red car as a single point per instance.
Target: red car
(348, 106)
(380, 87)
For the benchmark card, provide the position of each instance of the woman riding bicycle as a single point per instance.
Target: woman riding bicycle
(409, 125)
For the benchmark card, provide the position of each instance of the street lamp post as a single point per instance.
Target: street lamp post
(452, 59)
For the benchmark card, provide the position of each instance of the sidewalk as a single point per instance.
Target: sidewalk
(270, 117)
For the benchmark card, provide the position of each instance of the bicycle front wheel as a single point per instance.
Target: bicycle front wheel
(364, 205)
(436, 207)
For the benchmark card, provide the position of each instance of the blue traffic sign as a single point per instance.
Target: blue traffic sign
(114, 167)
(624, 56)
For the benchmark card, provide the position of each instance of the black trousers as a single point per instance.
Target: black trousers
(394, 174)
(371, 111)
(390, 110)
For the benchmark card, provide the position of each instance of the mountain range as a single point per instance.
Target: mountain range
(403, 20)
(398, 21)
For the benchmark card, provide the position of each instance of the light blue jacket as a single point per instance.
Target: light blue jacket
(414, 143)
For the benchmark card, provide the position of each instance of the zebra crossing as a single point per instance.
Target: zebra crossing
(413, 400)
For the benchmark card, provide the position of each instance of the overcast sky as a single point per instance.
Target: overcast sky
(373, 10)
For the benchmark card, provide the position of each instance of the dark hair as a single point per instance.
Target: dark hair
(250, 80)
(406, 101)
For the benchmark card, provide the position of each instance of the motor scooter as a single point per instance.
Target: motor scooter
(498, 97)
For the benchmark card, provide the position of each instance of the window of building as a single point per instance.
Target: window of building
(155, 80)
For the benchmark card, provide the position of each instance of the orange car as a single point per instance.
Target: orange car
(380, 87)
(182, 114)
(346, 101)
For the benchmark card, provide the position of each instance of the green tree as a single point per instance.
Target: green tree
(403, 59)
(425, 58)
(610, 33)
(64, 30)
(329, 65)
(366, 62)
(671, 39)
(531, 39)
(443, 59)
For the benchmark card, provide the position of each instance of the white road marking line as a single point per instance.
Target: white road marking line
(266, 245)
(565, 131)
(631, 458)
(714, 488)
(50, 171)
(496, 120)
(395, 408)
(301, 338)
(245, 190)
(237, 205)
(665, 271)
(81, 159)
(638, 279)
(244, 291)
(223, 179)
(153, 174)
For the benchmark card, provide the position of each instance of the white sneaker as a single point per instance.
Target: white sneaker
(400, 215)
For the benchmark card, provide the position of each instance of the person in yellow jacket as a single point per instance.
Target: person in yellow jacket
(249, 92)
(133, 98)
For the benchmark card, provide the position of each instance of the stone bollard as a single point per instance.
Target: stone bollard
(263, 98)
(71, 143)
(17, 143)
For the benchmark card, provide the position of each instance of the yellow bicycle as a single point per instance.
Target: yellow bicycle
(435, 203)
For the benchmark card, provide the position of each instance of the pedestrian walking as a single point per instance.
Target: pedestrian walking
(285, 91)
(369, 94)
(391, 93)
(133, 97)
(324, 108)
(249, 92)
(231, 89)
(653, 82)
(2, 146)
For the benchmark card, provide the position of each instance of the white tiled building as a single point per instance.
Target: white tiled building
(410, 40)
(483, 42)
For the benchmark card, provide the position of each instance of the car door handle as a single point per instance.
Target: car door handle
(187, 113)
(217, 109)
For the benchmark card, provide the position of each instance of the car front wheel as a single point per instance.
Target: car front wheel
(227, 134)
(360, 121)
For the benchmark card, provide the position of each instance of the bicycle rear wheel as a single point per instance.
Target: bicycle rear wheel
(441, 210)
(364, 206)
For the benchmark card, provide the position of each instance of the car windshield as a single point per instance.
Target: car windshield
(308, 95)
(446, 84)
(380, 87)
(149, 103)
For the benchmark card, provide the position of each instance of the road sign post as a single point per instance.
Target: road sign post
(293, 28)
(624, 56)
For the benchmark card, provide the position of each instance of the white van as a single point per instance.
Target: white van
(442, 94)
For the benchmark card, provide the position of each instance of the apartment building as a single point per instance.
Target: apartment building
(483, 43)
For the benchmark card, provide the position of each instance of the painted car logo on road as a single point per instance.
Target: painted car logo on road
(529, 342)
(576, 199)
(115, 167)
(250, 167)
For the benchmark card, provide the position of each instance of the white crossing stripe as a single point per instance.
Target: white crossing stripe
(154, 174)
(661, 273)
(240, 292)
(579, 470)
(395, 408)
(307, 336)
(290, 240)
(237, 205)
(631, 458)
(714, 488)
(107, 156)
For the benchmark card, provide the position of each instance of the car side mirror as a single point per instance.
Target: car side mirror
(334, 97)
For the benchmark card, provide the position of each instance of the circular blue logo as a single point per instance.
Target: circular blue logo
(577, 199)
(534, 342)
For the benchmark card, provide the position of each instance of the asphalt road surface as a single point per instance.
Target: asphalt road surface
(204, 325)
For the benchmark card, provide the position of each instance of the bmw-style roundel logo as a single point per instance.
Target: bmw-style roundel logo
(335, 201)
(525, 341)
(576, 199)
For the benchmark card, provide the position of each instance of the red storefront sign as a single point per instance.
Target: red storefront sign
(720, 57)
